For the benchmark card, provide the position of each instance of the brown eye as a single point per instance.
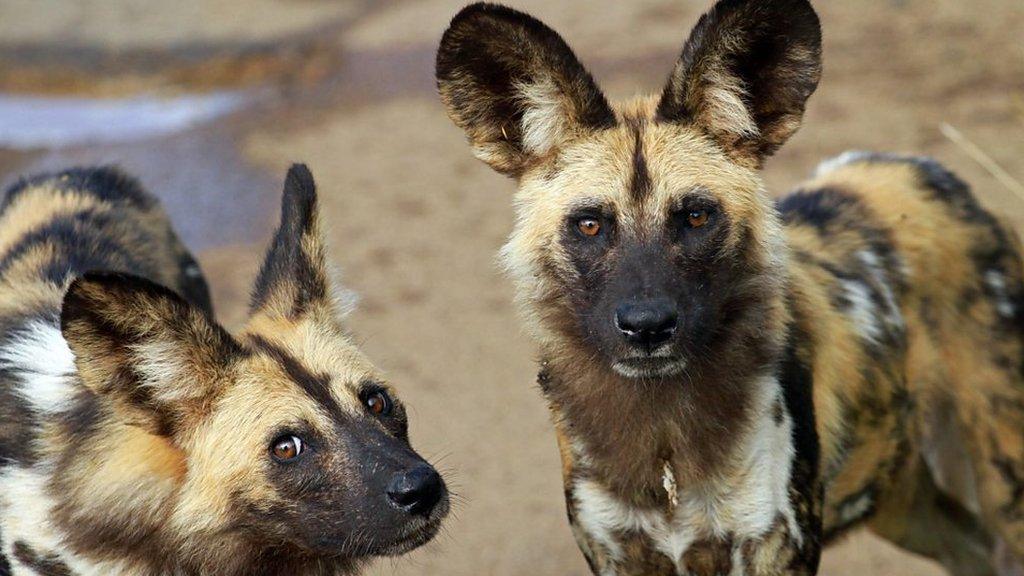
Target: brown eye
(287, 447)
(588, 226)
(697, 218)
(377, 402)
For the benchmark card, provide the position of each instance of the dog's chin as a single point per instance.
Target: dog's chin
(649, 367)
(416, 534)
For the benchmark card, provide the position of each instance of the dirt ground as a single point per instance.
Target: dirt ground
(415, 221)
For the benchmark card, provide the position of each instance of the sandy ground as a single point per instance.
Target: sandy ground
(415, 221)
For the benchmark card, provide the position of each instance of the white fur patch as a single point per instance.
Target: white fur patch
(545, 120)
(343, 299)
(996, 282)
(744, 504)
(660, 370)
(844, 159)
(871, 320)
(40, 357)
(725, 107)
(856, 509)
(161, 365)
(25, 508)
(862, 311)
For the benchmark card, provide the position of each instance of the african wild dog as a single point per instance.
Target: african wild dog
(138, 437)
(736, 382)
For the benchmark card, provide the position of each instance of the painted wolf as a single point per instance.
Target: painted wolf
(735, 381)
(139, 437)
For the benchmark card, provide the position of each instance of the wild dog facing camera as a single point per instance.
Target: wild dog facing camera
(643, 233)
(734, 381)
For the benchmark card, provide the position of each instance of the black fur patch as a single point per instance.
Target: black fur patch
(806, 488)
(640, 182)
(820, 208)
(41, 564)
(106, 183)
(193, 283)
(81, 243)
(287, 263)
(317, 386)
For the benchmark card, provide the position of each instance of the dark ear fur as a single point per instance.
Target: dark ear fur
(141, 346)
(514, 86)
(293, 277)
(745, 74)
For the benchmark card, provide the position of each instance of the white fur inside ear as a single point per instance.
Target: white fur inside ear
(163, 367)
(545, 122)
(724, 109)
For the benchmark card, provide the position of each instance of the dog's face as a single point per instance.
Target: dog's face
(642, 233)
(287, 437)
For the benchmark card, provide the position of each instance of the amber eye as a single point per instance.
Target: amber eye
(287, 447)
(697, 218)
(588, 226)
(377, 402)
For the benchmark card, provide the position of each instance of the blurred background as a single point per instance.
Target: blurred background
(208, 102)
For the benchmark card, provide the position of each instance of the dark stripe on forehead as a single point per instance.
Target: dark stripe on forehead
(317, 386)
(640, 182)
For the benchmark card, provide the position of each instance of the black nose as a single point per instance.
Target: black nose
(647, 323)
(416, 490)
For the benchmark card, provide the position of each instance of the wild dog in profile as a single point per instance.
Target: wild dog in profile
(736, 382)
(138, 437)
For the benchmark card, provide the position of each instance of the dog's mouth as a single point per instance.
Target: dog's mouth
(417, 532)
(640, 367)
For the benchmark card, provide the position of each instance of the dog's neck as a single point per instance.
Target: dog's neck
(638, 435)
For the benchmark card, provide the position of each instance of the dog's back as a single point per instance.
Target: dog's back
(914, 295)
(54, 228)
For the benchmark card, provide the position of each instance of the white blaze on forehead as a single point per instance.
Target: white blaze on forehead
(44, 365)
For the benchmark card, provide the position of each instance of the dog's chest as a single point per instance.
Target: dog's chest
(720, 527)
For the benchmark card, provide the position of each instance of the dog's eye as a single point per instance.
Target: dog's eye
(697, 218)
(588, 226)
(287, 447)
(377, 402)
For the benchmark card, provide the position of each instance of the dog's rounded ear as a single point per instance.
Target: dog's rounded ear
(515, 87)
(156, 358)
(745, 75)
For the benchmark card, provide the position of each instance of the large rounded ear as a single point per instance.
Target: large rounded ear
(156, 358)
(515, 87)
(293, 280)
(745, 74)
